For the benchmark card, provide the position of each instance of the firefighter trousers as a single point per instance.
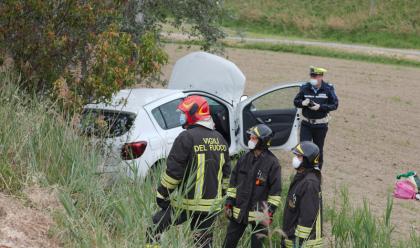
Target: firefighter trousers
(316, 135)
(201, 225)
(235, 231)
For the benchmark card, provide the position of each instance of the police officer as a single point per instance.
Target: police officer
(198, 166)
(302, 218)
(316, 98)
(254, 190)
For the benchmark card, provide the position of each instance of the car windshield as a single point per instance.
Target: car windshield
(105, 123)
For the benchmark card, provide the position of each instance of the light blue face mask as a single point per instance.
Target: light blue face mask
(182, 119)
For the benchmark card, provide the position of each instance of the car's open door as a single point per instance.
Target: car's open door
(275, 108)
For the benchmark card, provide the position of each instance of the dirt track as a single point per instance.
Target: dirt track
(409, 54)
(374, 134)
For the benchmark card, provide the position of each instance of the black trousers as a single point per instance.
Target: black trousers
(315, 134)
(201, 225)
(235, 231)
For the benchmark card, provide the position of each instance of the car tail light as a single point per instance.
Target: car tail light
(133, 150)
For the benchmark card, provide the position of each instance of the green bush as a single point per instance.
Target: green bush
(85, 50)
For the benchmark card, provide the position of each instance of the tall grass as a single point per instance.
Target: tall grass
(359, 227)
(39, 146)
(383, 23)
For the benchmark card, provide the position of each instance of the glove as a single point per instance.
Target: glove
(407, 175)
(229, 211)
(315, 107)
(268, 219)
(305, 102)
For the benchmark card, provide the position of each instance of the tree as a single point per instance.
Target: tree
(80, 51)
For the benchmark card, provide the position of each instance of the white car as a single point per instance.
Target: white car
(142, 124)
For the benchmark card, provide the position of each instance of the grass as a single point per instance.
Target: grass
(358, 227)
(36, 143)
(381, 23)
(313, 51)
(40, 146)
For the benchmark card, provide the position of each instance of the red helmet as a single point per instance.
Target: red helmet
(195, 108)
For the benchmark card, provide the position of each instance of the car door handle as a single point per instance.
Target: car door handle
(263, 121)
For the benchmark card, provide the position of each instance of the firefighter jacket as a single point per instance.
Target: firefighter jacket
(255, 186)
(302, 219)
(325, 96)
(198, 166)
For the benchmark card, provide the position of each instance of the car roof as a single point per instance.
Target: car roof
(131, 100)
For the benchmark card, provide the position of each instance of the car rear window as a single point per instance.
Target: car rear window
(106, 123)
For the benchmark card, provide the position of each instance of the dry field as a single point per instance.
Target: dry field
(374, 134)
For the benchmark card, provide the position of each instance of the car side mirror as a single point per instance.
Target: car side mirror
(244, 97)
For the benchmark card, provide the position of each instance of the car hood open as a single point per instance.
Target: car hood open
(210, 73)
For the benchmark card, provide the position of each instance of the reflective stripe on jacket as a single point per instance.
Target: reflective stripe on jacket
(199, 166)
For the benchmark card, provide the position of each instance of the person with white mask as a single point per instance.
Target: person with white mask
(302, 218)
(317, 99)
(254, 190)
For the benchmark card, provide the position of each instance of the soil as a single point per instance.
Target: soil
(373, 135)
(27, 222)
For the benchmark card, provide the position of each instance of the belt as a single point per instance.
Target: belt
(324, 120)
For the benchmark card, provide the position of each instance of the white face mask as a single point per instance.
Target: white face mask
(296, 162)
(313, 81)
(251, 144)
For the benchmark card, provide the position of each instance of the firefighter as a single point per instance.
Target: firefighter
(198, 166)
(254, 190)
(302, 219)
(316, 98)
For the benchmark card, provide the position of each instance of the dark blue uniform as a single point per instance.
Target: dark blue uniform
(325, 96)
